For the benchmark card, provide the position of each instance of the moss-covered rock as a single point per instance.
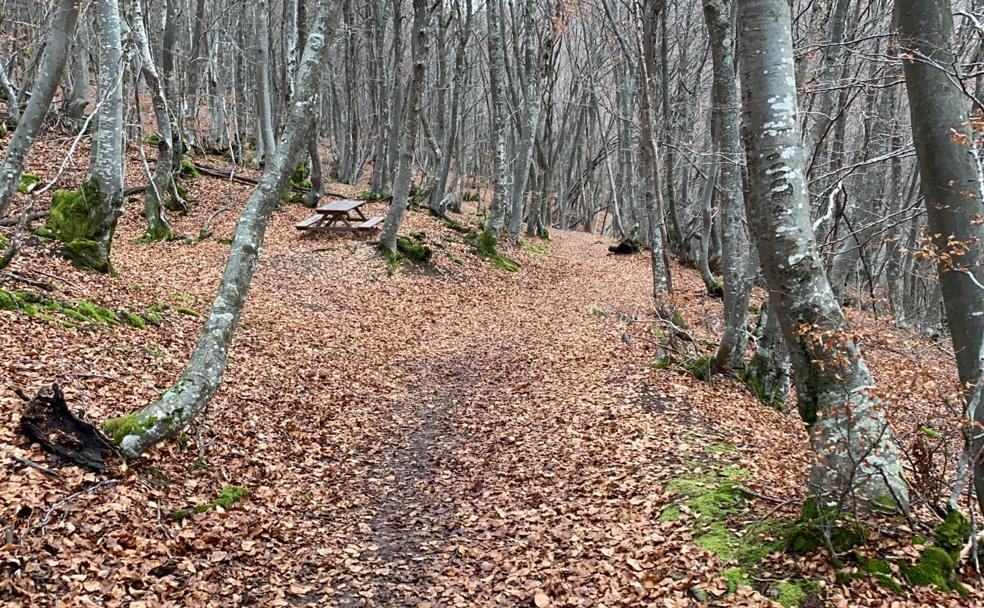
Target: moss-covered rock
(134, 320)
(413, 249)
(953, 533)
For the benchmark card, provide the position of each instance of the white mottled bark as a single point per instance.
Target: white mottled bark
(49, 75)
(199, 381)
(857, 458)
(401, 185)
(951, 181)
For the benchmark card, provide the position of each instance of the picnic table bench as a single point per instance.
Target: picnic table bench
(340, 216)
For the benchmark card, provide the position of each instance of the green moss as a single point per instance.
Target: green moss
(806, 534)
(716, 290)
(187, 311)
(736, 577)
(128, 424)
(484, 245)
(152, 139)
(28, 182)
(719, 448)
(44, 232)
(670, 513)
(96, 313)
(413, 249)
(531, 248)
(188, 170)
(952, 533)
(791, 593)
(224, 241)
(72, 220)
(157, 307)
(934, 568)
(930, 432)
(153, 318)
(134, 320)
(228, 497)
(157, 232)
(754, 384)
(596, 311)
(699, 367)
(918, 539)
(8, 300)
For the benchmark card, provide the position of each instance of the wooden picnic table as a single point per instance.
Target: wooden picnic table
(338, 216)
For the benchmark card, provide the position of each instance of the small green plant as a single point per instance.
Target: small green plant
(595, 311)
(484, 246)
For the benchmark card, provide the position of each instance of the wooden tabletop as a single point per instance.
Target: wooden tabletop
(340, 206)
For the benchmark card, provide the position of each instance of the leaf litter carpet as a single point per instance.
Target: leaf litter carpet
(453, 436)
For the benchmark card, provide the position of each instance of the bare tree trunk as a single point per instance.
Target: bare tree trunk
(857, 457)
(137, 432)
(951, 181)
(500, 123)
(401, 185)
(158, 228)
(49, 75)
(264, 94)
(719, 15)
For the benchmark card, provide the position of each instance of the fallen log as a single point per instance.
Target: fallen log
(245, 179)
(48, 421)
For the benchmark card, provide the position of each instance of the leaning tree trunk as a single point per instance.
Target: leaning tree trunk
(737, 287)
(857, 459)
(136, 432)
(84, 220)
(401, 185)
(951, 182)
(158, 228)
(49, 75)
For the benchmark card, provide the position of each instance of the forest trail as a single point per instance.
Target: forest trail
(447, 436)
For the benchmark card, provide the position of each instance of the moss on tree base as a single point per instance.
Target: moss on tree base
(73, 220)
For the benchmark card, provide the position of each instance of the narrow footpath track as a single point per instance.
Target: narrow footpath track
(454, 437)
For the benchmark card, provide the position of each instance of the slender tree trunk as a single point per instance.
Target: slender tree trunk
(500, 123)
(158, 228)
(164, 418)
(49, 75)
(719, 15)
(951, 182)
(264, 94)
(401, 185)
(857, 458)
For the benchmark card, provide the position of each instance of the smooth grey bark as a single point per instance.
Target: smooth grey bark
(158, 228)
(49, 75)
(503, 177)
(662, 280)
(137, 432)
(264, 95)
(535, 66)
(401, 185)
(831, 64)
(719, 15)
(856, 456)
(951, 182)
(768, 370)
(106, 171)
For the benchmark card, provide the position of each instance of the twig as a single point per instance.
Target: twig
(69, 498)
(34, 465)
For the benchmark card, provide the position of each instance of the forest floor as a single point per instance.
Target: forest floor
(448, 435)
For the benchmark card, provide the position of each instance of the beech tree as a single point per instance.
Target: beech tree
(29, 123)
(179, 405)
(951, 181)
(856, 453)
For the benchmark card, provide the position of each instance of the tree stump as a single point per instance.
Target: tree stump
(48, 421)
